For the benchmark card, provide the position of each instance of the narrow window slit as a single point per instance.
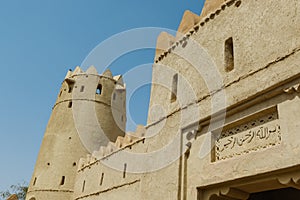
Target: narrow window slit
(82, 88)
(174, 88)
(34, 181)
(62, 182)
(102, 178)
(124, 171)
(229, 55)
(99, 89)
(70, 104)
(83, 186)
(70, 87)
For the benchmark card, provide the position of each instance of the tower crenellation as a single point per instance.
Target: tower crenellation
(223, 117)
(72, 133)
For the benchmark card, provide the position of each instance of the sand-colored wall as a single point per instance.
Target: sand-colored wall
(73, 131)
(178, 155)
(266, 56)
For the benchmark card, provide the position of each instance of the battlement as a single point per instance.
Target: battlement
(190, 25)
(90, 86)
(189, 142)
(93, 71)
(122, 142)
(89, 112)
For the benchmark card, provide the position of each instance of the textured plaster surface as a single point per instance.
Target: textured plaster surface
(265, 79)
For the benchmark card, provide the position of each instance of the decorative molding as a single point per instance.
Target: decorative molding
(241, 189)
(290, 180)
(189, 133)
(194, 29)
(108, 190)
(233, 193)
(292, 89)
(254, 135)
(49, 190)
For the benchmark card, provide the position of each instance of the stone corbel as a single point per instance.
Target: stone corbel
(294, 88)
(233, 193)
(191, 129)
(70, 80)
(189, 134)
(289, 181)
(228, 193)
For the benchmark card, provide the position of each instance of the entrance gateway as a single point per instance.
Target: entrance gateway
(271, 186)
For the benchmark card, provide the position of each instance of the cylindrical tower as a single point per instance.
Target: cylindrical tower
(89, 112)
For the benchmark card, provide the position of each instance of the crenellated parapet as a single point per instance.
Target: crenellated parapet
(89, 112)
(188, 21)
(190, 25)
(122, 142)
(92, 71)
(163, 42)
(13, 197)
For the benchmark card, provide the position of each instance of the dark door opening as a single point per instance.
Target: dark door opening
(279, 194)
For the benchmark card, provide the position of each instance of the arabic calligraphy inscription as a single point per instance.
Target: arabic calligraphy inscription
(252, 136)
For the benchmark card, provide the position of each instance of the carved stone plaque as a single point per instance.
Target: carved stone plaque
(258, 134)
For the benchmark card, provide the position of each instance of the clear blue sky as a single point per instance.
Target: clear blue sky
(40, 41)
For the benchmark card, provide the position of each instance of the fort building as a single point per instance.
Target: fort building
(223, 116)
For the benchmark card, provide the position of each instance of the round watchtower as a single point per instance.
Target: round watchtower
(89, 112)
